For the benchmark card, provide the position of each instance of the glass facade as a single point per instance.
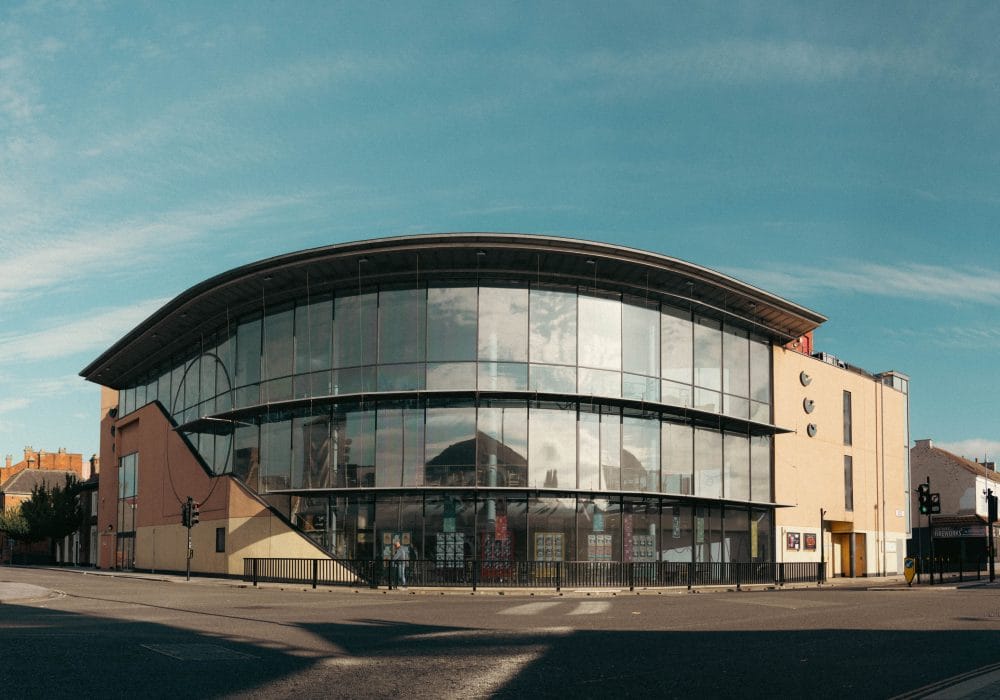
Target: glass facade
(540, 421)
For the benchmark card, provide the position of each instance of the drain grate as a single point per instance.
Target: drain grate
(198, 652)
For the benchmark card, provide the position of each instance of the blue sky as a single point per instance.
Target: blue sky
(843, 155)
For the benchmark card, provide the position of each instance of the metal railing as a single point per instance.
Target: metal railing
(478, 573)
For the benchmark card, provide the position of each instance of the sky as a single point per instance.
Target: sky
(845, 156)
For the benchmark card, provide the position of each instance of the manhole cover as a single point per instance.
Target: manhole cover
(198, 652)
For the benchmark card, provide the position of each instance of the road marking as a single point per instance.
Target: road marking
(594, 607)
(528, 609)
(791, 604)
(198, 652)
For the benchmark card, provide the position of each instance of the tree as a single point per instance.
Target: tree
(13, 524)
(52, 513)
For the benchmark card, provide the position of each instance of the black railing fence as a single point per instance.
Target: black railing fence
(479, 573)
(953, 568)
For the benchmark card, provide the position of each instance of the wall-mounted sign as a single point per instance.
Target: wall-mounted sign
(792, 540)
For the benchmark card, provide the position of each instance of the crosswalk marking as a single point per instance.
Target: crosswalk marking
(528, 608)
(594, 607)
(590, 607)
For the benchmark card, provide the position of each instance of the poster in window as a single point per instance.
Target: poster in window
(792, 540)
(809, 541)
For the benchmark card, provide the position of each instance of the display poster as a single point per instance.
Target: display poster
(676, 533)
(699, 530)
(501, 527)
(753, 539)
(549, 546)
(810, 541)
(628, 543)
(792, 540)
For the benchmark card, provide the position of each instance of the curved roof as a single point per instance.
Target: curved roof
(453, 256)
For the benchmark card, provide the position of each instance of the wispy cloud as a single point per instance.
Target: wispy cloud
(903, 280)
(982, 449)
(9, 405)
(71, 337)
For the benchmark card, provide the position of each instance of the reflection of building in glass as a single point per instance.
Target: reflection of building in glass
(481, 395)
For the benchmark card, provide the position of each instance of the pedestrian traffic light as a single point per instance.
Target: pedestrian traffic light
(924, 499)
(934, 500)
(186, 514)
(195, 519)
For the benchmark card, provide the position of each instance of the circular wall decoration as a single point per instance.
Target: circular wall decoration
(808, 405)
(805, 378)
(811, 430)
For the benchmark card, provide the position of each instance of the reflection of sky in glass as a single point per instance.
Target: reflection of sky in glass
(553, 327)
(708, 463)
(503, 324)
(552, 448)
(451, 323)
(737, 456)
(708, 355)
(448, 426)
(600, 333)
(641, 340)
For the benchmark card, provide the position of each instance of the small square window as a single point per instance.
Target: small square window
(220, 539)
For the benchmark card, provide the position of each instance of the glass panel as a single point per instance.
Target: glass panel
(276, 455)
(735, 406)
(676, 345)
(247, 363)
(278, 355)
(501, 521)
(503, 324)
(224, 374)
(737, 529)
(189, 383)
(736, 362)
(707, 353)
(503, 445)
(596, 541)
(640, 340)
(163, 390)
(550, 378)
(354, 448)
(640, 528)
(589, 441)
(708, 534)
(313, 345)
(707, 463)
(503, 376)
(401, 319)
(760, 412)
(611, 452)
(760, 535)
(451, 376)
(677, 445)
(401, 377)
(451, 324)
(399, 447)
(223, 461)
(677, 394)
(552, 529)
(640, 454)
(678, 533)
(353, 380)
(176, 405)
(450, 527)
(207, 385)
(710, 401)
(552, 448)
(246, 455)
(600, 333)
(451, 446)
(736, 452)
(553, 327)
(600, 382)
(641, 388)
(760, 371)
(760, 468)
(355, 331)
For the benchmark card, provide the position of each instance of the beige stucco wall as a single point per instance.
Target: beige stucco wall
(809, 471)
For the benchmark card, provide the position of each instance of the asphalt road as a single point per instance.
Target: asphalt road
(70, 634)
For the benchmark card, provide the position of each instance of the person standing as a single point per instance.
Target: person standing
(400, 559)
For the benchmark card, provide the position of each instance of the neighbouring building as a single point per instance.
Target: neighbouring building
(960, 529)
(493, 396)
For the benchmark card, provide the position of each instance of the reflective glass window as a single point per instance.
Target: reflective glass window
(639, 387)
(553, 327)
(502, 535)
(677, 449)
(224, 373)
(599, 382)
(600, 333)
(313, 346)
(206, 387)
(760, 468)
(451, 446)
(595, 540)
(401, 319)
(589, 450)
(163, 389)
(707, 353)
(451, 324)
(278, 358)
(551, 448)
(355, 331)
(451, 375)
(353, 380)
(553, 378)
(640, 529)
(760, 371)
(735, 406)
(678, 533)
(503, 324)
(353, 433)
(389, 447)
(640, 454)
(640, 340)
(677, 394)
(676, 345)
(246, 455)
(552, 529)
(312, 453)
(760, 412)
(401, 377)
(247, 363)
(737, 526)
(708, 463)
(223, 461)
(736, 456)
(611, 451)
(503, 376)
(190, 381)
(735, 362)
(705, 400)
(503, 445)
(276, 455)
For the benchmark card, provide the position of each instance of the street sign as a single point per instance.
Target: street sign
(909, 569)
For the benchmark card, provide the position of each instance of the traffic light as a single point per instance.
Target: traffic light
(935, 503)
(186, 514)
(194, 513)
(924, 499)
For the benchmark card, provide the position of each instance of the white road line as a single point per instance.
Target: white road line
(528, 609)
(594, 607)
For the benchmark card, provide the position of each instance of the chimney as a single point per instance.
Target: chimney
(925, 444)
(10, 461)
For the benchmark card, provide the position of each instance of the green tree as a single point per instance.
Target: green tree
(52, 513)
(13, 524)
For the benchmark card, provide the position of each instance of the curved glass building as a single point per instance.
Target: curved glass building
(485, 396)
